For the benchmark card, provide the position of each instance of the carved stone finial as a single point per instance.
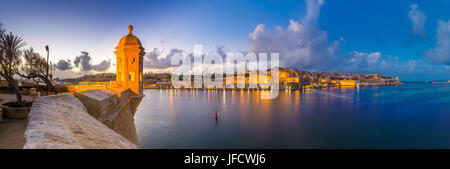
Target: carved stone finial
(130, 28)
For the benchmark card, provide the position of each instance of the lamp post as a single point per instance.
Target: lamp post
(48, 66)
(47, 49)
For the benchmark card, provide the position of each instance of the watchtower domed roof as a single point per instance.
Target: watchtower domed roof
(130, 39)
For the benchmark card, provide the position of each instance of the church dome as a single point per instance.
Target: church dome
(130, 39)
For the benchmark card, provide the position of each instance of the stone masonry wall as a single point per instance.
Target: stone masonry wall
(62, 121)
(116, 113)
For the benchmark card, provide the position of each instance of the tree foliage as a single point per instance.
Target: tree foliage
(36, 66)
(10, 60)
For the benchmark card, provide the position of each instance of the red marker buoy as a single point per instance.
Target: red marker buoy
(216, 114)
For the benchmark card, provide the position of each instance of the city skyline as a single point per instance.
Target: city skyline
(408, 39)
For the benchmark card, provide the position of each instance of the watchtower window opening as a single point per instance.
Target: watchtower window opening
(131, 76)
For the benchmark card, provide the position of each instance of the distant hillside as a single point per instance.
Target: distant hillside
(102, 77)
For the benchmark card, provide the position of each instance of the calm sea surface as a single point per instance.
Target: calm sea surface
(414, 115)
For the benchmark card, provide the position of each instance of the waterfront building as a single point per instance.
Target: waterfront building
(347, 82)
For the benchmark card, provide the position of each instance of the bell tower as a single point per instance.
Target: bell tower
(130, 63)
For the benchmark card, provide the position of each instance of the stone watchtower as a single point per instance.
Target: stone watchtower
(130, 63)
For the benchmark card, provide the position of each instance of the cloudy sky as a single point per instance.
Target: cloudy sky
(408, 39)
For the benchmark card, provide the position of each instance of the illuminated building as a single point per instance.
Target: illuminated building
(130, 59)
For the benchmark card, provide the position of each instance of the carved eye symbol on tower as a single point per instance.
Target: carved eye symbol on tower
(132, 60)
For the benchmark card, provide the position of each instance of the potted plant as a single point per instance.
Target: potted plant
(10, 61)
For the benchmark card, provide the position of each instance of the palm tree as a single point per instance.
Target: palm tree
(10, 60)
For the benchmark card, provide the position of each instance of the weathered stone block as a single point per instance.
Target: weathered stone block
(62, 121)
(100, 103)
(116, 113)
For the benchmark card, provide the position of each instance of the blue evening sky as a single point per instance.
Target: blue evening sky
(96, 26)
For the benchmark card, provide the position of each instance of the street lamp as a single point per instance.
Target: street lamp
(47, 49)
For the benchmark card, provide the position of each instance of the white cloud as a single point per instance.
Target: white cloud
(418, 19)
(373, 62)
(84, 63)
(156, 59)
(63, 65)
(440, 54)
(302, 45)
(373, 58)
